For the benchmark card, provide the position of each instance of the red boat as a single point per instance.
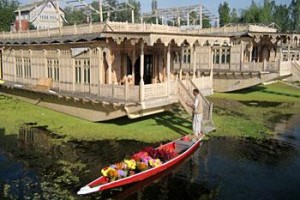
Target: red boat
(180, 148)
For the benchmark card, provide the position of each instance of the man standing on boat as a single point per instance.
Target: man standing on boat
(197, 113)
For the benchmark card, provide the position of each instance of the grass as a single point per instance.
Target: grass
(160, 127)
(242, 113)
(253, 112)
(277, 92)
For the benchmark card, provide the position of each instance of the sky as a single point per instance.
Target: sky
(211, 5)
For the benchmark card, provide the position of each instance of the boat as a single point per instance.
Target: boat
(180, 149)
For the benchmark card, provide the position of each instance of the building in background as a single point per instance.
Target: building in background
(42, 15)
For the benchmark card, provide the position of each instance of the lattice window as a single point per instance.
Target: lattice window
(27, 67)
(82, 71)
(221, 55)
(53, 69)
(86, 70)
(187, 56)
(19, 67)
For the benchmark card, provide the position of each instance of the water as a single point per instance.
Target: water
(221, 169)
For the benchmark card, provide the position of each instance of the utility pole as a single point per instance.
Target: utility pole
(20, 21)
(100, 10)
(58, 15)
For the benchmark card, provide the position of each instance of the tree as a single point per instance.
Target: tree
(125, 15)
(295, 15)
(75, 16)
(224, 15)
(251, 15)
(234, 16)
(281, 17)
(206, 23)
(7, 9)
(266, 12)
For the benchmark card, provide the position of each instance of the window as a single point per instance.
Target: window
(53, 69)
(176, 57)
(221, 55)
(78, 71)
(82, 66)
(86, 69)
(27, 67)
(187, 56)
(19, 67)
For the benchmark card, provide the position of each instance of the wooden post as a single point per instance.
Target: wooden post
(168, 68)
(194, 62)
(100, 67)
(73, 74)
(211, 64)
(142, 89)
(181, 63)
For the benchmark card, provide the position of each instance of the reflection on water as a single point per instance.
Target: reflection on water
(221, 169)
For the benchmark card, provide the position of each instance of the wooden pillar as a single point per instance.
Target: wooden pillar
(23, 70)
(241, 55)
(132, 64)
(289, 51)
(59, 69)
(194, 62)
(168, 68)
(250, 57)
(1, 64)
(142, 89)
(73, 74)
(90, 78)
(100, 68)
(211, 64)
(44, 64)
(181, 63)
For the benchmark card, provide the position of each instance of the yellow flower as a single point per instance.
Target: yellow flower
(131, 164)
(105, 171)
(155, 162)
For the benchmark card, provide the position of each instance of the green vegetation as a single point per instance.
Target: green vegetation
(154, 128)
(250, 112)
(253, 111)
(285, 16)
(7, 9)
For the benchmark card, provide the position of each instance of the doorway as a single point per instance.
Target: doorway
(148, 69)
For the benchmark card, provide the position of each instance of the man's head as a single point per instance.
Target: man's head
(196, 92)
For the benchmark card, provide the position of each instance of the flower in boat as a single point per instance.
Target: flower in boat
(131, 172)
(110, 173)
(141, 166)
(131, 164)
(140, 155)
(113, 174)
(122, 173)
(155, 162)
(120, 166)
(105, 170)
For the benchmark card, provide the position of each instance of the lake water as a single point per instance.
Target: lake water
(221, 168)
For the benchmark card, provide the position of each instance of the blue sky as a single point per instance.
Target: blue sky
(212, 5)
